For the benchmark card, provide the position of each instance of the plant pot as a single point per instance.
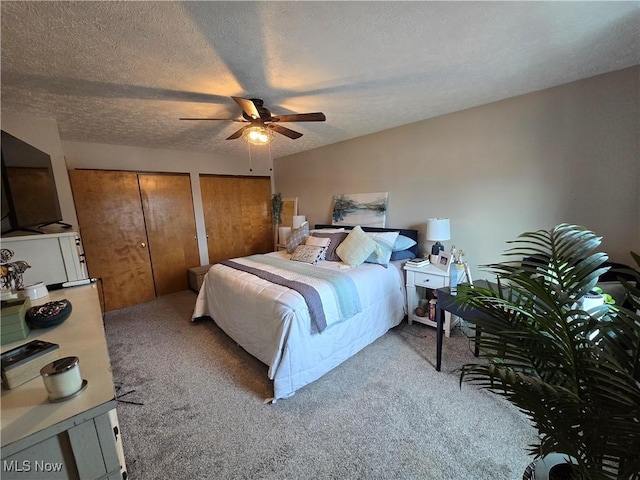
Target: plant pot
(554, 466)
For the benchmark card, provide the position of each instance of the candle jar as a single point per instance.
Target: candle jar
(62, 378)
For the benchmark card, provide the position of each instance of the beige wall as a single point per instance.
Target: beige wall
(567, 154)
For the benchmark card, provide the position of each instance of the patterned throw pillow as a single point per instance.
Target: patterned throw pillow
(308, 254)
(355, 249)
(298, 236)
(385, 241)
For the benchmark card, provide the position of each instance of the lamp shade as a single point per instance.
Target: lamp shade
(283, 234)
(298, 220)
(438, 229)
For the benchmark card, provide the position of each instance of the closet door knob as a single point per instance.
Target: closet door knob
(142, 244)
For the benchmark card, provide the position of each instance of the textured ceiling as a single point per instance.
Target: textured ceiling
(124, 72)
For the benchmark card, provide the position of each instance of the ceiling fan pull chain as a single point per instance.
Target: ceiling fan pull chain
(250, 164)
(270, 158)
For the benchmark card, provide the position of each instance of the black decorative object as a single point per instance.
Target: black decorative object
(437, 248)
(49, 314)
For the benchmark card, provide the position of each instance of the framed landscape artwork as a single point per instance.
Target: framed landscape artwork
(364, 209)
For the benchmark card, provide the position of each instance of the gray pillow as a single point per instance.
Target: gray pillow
(336, 239)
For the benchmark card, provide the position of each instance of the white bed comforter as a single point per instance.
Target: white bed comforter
(272, 322)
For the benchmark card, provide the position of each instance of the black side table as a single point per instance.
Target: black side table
(445, 301)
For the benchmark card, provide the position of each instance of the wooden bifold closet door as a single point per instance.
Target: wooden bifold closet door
(171, 229)
(237, 215)
(138, 232)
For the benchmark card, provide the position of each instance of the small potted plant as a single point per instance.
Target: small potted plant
(574, 373)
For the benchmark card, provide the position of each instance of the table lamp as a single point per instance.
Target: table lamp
(438, 229)
(283, 234)
(298, 220)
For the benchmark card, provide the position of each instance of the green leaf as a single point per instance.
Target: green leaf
(576, 375)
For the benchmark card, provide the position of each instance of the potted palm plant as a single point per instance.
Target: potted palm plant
(574, 373)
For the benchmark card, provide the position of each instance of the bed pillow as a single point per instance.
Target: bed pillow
(297, 236)
(327, 230)
(402, 255)
(403, 243)
(355, 249)
(385, 241)
(317, 241)
(308, 254)
(335, 240)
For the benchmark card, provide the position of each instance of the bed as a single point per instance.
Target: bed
(268, 311)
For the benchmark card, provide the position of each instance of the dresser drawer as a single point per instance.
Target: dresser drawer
(428, 280)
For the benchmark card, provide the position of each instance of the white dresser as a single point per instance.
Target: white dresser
(54, 257)
(74, 439)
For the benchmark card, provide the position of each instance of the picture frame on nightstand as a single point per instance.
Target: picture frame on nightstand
(444, 261)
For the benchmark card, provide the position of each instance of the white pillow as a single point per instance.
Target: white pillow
(327, 230)
(317, 241)
(355, 249)
(385, 241)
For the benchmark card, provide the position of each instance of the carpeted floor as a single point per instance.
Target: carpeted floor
(383, 414)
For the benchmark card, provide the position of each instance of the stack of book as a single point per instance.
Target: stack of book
(418, 262)
(13, 325)
(23, 363)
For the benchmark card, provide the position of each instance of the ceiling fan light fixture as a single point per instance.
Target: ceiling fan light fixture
(258, 135)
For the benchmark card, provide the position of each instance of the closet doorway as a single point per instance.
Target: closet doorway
(237, 215)
(138, 232)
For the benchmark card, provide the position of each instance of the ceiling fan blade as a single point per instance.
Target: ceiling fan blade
(238, 133)
(247, 106)
(301, 117)
(285, 131)
(221, 119)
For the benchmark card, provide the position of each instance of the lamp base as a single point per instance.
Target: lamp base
(437, 248)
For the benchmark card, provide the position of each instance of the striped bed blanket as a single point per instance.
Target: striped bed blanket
(330, 295)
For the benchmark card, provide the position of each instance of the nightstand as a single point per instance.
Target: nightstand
(419, 279)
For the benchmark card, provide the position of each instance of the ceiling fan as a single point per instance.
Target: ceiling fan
(261, 124)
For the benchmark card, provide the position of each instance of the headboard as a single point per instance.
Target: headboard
(413, 234)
